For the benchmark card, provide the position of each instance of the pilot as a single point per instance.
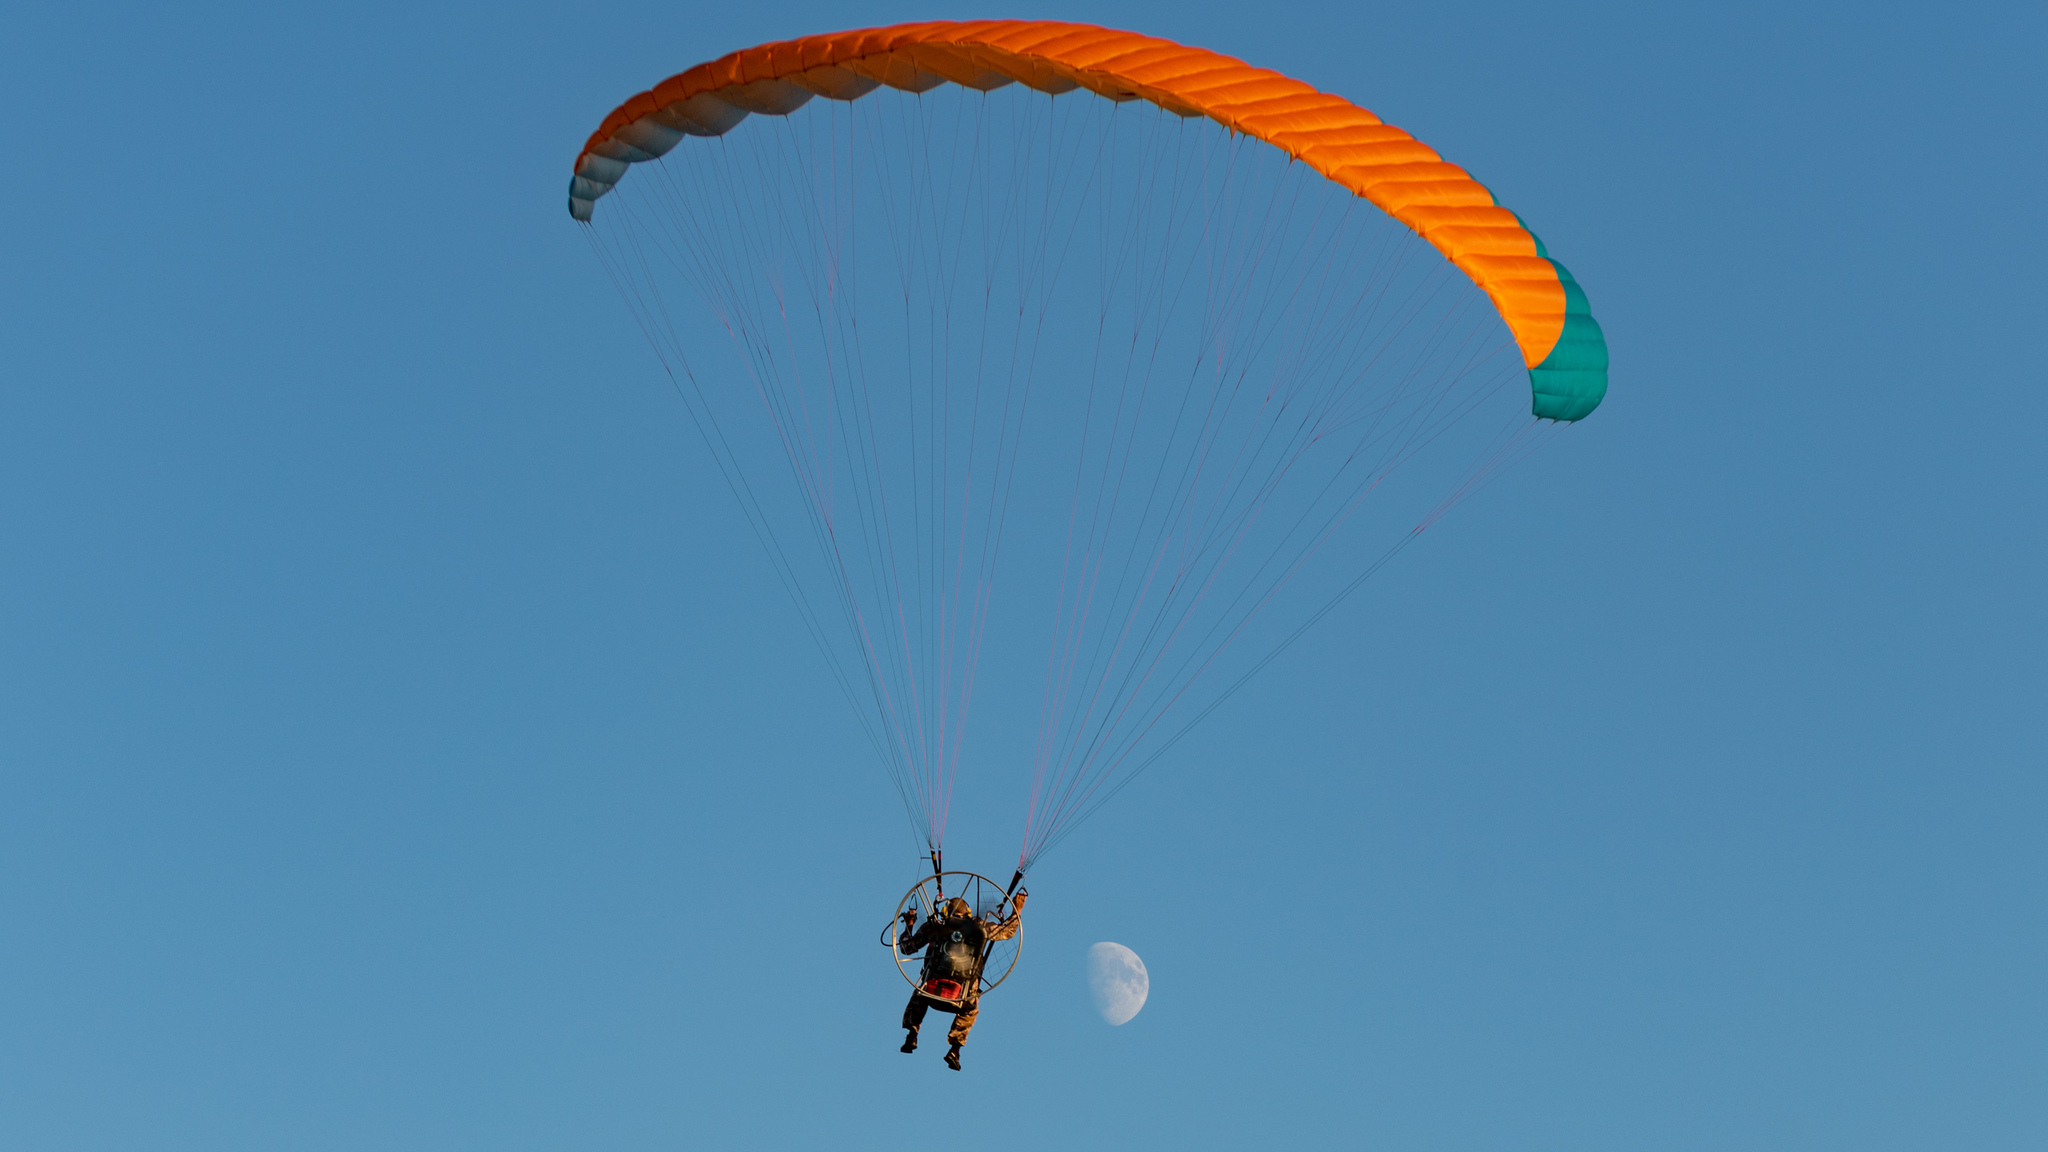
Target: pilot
(951, 981)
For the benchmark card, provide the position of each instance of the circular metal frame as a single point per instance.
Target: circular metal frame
(985, 896)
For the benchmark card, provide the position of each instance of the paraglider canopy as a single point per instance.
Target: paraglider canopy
(1562, 345)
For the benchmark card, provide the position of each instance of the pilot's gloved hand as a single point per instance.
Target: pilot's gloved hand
(1017, 901)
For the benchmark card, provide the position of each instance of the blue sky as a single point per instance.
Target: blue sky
(404, 745)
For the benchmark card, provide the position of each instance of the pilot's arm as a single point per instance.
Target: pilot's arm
(1008, 928)
(913, 936)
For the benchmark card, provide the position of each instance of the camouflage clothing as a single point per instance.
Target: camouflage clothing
(953, 944)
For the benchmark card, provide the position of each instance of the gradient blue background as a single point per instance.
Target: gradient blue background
(403, 744)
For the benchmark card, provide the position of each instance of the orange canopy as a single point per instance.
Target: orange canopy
(1344, 142)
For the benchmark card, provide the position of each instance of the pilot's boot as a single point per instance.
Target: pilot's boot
(953, 1057)
(909, 1040)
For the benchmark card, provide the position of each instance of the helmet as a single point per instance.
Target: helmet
(956, 909)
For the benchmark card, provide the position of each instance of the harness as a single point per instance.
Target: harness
(952, 962)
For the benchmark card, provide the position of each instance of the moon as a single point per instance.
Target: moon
(1119, 981)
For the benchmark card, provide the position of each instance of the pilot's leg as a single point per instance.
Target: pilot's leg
(963, 1023)
(913, 1016)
